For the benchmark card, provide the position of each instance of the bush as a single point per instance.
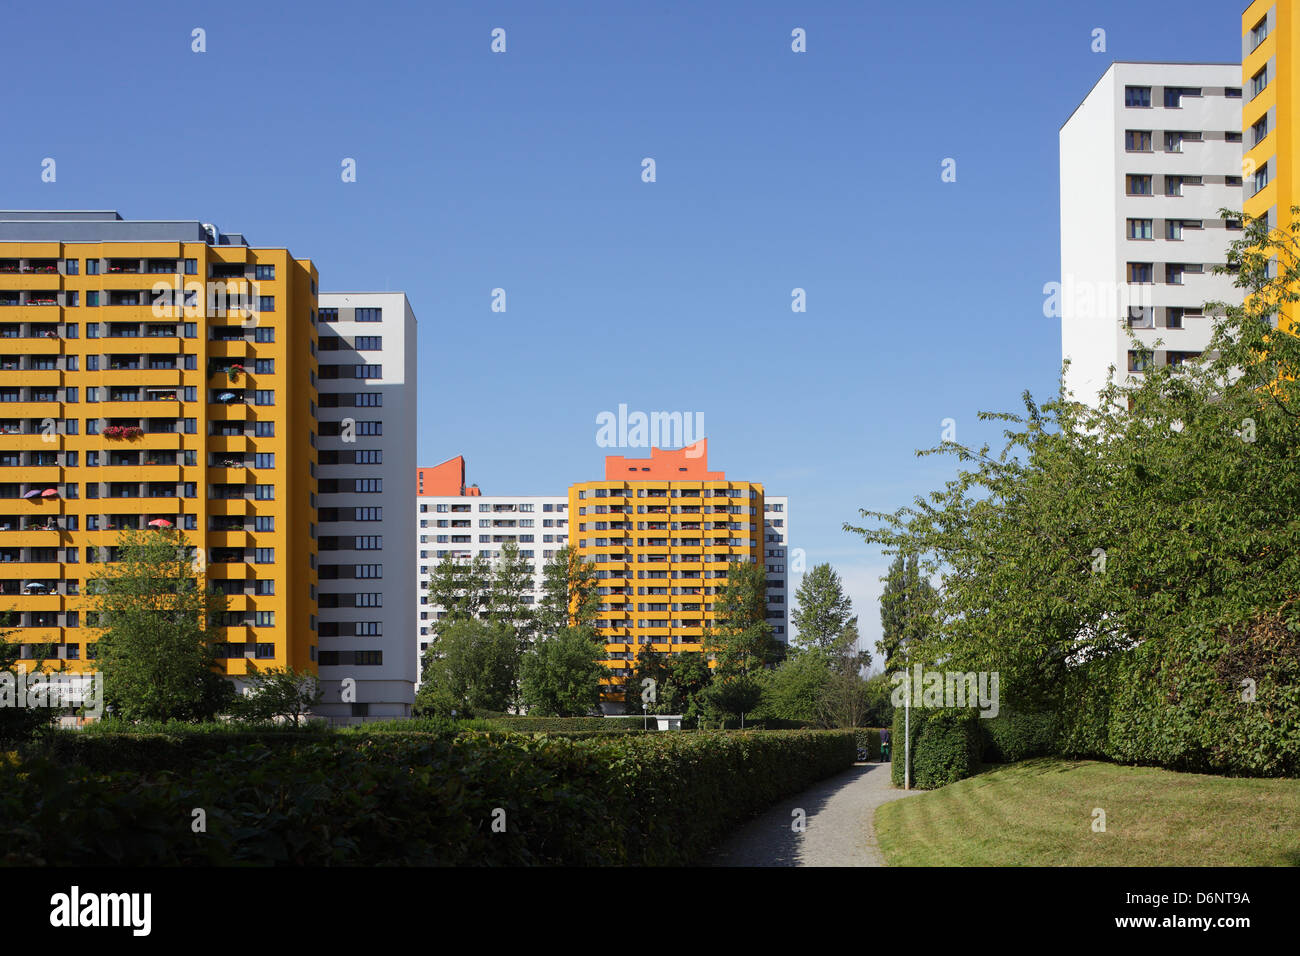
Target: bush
(946, 745)
(1018, 735)
(868, 739)
(390, 799)
(543, 725)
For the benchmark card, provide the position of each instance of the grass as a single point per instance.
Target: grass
(1040, 813)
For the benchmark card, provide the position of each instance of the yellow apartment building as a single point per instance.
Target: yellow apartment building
(153, 374)
(660, 532)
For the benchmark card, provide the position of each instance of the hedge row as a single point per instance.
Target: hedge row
(1222, 702)
(392, 799)
(868, 739)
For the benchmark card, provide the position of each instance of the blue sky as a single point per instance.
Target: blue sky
(522, 171)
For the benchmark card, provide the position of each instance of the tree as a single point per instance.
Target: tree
(470, 666)
(160, 627)
(734, 696)
(569, 595)
(823, 609)
(278, 692)
(18, 723)
(462, 589)
(740, 637)
(1157, 517)
(511, 579)
(681, 682)
(795, 688)
(907, 607)
(560, 677)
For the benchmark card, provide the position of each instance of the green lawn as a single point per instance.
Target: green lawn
(1040, 813)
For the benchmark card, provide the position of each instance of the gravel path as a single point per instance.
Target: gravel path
(838, 825)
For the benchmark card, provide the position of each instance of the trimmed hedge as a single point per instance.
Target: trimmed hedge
(868, 739)
(543, 725)
(392, 799)
(946, 746)
(1019, 735)
(1178, 703)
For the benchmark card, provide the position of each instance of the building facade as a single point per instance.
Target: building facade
(1270, 32)
(366, 504)
(458, 521)
(1148, 159)
(157, 374)
(776, 547)
(661, 533)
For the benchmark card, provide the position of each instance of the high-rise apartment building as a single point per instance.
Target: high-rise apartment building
(1148, 159)
(1270, 32)
(776, 547)
(366, 500)
(661, 533)
(154, 374)
(458, 521)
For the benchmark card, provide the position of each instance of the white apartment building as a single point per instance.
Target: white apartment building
(776, 541)
(1147, 161)
(366, 505)
(467, 526)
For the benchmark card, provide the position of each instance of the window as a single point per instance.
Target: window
(264, 396)
(264, 459)
(70, 267)
(92, 267)
(368, 343)
(367, 400)
(1258, 33)
(1261, 177)
(329, 315)
(1231, 137)
(1232, 180)
(367, 315)
(264, 366)
(1137, 96)
(1174, 274)
(1232, 92)
(264, 272)
(1258, 82)
(264, 523)
(1138, 185)
(1139, 228)
(1174, 95)
(265, 493)
(1259, 130)
(92, 301)
(1140, 272)
(1137, 140)
(266, 303)
(1138, 360)
(264, 619)
(1174, 229)
(263, 334)
(264, 556)
(1173, 142)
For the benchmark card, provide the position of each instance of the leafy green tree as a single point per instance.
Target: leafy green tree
(681, 682)
(560, 677)
(569, 594)
(461, 588)
(160, 626)
(470, 667)
(907, 608)
(740, 637)
(796, 688)
(735, 696)
(278, 693)
(19, 723)
(822, 608)
(1158, 517)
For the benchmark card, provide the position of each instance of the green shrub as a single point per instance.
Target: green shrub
(542, 725)
(390, 799)
(946, 745)
(1018, 735)
(868, 739)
